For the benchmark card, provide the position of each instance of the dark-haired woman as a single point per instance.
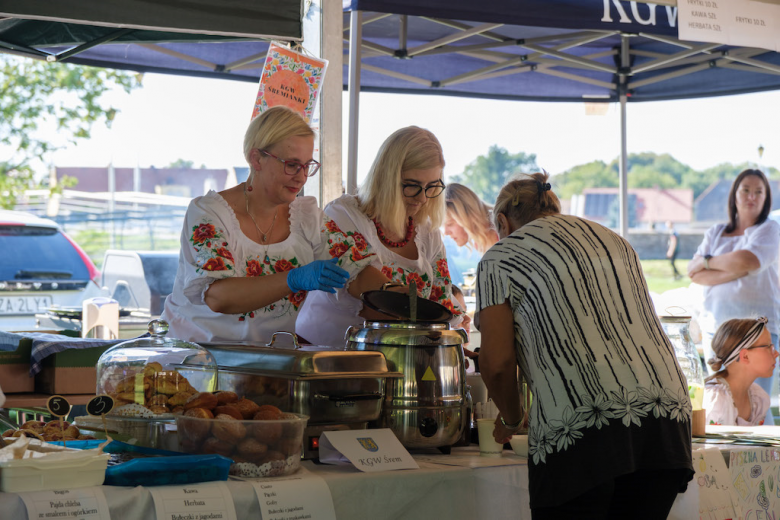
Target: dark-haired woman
(564, 299)
(737, 262)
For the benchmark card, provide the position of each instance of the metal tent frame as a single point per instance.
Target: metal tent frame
(432, 55)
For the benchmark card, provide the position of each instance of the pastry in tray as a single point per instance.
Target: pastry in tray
(148, 392)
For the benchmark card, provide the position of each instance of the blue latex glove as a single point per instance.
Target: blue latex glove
(320, 275)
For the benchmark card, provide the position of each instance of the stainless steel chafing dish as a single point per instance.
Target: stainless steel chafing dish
(337, 389)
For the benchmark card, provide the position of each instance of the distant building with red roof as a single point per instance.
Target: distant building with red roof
(652, 205)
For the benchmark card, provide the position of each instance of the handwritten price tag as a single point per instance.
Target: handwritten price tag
(58, 406)
(79, 504)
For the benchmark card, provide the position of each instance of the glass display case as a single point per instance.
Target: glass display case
(153, 376)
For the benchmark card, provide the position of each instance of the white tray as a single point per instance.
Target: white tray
(40, 474)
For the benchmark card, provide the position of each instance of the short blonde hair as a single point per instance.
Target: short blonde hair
(526, 198)
(380, 195)
(472, 214)
(274, 126)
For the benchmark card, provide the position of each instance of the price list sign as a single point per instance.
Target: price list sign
(205, 501)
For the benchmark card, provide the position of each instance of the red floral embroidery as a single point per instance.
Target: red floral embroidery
(450, 306)
(360, 242)
(357, 256)
(441, 266)
(254, 268)
(437, 293)
(203, 233)
(387, 272)
(225, 253)
(415, 278)
(282, 265)
(332, 226)
(297, 298)
(338, 250)
(215, 264)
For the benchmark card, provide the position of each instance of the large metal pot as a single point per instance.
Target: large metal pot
(427, 407)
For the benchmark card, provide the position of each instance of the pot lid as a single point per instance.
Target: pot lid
(398, 305)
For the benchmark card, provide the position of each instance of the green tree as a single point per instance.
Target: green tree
(596, 174)
(488, 173)
(36, 96)
(181, 163)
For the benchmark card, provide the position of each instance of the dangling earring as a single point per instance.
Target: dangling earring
(248, 185)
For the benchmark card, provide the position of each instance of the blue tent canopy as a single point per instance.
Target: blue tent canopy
(562, 50)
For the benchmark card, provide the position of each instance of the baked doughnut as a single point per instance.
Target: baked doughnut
(229, 410)
(201, 400)
(251, 448)
(225, 397)
(228, 429)
(267, 432)
(290, 446)
(220, 447)
(247, 408)
(268, 412)
(195, 430)
(272, 456)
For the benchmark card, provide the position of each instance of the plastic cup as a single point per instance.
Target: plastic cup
(488, 447)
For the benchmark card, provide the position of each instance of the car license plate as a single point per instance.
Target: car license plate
(24, 304)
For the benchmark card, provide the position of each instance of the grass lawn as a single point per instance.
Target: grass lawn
(658, 274)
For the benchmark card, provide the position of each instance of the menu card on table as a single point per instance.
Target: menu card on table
(367, 450)
(207, 500)
(77, 504)
(302, 495)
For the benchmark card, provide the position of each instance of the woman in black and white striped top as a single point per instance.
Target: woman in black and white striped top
(565, 299)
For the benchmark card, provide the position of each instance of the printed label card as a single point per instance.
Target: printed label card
(367, 450)
(204, 501)
(75, 504)
(290, 79)
(299, 496)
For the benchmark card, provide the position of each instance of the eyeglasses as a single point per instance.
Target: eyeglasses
(310, 169)
(431, 192)
(771, 346)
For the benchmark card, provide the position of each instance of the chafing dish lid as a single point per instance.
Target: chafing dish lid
(305, 361)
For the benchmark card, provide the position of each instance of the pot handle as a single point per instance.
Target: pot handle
(353, 397)
(294, 338)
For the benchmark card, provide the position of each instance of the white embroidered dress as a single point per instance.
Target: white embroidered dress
(326, 317)
(213, 247)
(719, 403)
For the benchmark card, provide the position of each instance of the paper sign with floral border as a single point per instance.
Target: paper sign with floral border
(290, 79)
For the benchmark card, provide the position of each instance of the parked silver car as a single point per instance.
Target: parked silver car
(41, 267)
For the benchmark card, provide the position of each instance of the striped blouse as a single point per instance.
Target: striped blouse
(608, 395)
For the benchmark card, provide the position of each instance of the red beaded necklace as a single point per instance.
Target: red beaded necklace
(390, 243)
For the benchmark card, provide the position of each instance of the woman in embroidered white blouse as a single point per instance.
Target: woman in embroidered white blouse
(250, 254)
(743, 352)
(398, 210)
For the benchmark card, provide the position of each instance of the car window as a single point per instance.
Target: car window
(38, 253)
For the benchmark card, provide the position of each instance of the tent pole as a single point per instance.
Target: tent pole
(623, 183)
(355, 39)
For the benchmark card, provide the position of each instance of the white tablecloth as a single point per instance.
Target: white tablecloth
(445, 487)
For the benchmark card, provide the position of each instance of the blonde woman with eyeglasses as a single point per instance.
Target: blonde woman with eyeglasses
(743, 351)
(398, 210)
(251, 254)
(469, 219)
